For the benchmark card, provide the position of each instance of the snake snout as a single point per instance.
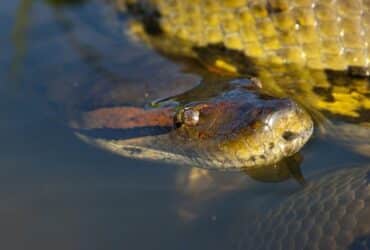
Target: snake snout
(291, 125)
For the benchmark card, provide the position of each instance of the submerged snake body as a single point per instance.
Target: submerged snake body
(330, 213)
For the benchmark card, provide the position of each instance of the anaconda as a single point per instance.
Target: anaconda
(315, 52)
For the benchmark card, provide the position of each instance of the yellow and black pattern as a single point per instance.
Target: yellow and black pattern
(316, 33)
(306, 49)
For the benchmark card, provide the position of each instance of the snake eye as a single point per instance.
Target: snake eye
(191, 117)
(187, 116)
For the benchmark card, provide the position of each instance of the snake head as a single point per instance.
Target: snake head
(243, 128)
(237, 127)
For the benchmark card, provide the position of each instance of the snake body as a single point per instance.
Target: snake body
(330, 213)
(289, 44)
(317, 34)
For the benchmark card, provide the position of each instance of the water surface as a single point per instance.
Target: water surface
(59, 193)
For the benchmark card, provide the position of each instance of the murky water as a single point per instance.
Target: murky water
(59, 193)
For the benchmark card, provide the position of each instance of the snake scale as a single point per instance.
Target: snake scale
(283, 42)
(332, 212)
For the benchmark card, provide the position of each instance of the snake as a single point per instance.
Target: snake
(311, 52)
(314, 52)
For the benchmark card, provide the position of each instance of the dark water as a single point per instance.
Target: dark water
(59, 193)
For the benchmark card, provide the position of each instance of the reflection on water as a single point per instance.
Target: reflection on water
(59, 193)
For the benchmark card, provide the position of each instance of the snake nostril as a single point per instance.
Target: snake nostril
(289, 135)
